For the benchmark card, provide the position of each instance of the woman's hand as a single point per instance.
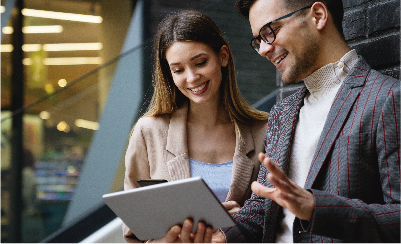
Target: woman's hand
(129, 236)
(178, 234)
(203, 234)
(232, 207)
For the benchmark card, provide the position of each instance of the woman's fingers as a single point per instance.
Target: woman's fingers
(232, 207)
(173, 234)
(186, 231)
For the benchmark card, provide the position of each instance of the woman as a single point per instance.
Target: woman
(197, 123)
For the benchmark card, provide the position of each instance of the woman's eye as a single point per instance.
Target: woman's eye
(201, 63)
(177, 71)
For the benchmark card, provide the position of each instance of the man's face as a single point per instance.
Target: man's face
(294, 52)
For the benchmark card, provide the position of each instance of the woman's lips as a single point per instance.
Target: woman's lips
(200, 89)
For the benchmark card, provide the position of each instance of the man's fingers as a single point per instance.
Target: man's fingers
(274, 168)
(261, 156)
(262, 190)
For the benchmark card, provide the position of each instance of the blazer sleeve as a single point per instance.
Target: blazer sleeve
(136, 167)
(353, 220)
(136, 159)
(249, 219)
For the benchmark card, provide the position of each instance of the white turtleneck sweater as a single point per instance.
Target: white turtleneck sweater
(323, 85)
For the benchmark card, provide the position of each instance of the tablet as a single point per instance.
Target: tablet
(150, 211)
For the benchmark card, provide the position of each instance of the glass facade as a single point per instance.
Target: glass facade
(66, 83)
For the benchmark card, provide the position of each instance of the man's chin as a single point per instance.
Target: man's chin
(288, 81)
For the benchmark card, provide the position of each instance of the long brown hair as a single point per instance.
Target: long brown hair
(191, 25)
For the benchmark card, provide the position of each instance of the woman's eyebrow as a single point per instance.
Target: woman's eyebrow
(194, 57)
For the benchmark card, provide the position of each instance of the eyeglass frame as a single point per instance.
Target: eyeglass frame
(262, 38)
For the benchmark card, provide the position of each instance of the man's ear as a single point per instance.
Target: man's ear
(224, 55)
(320, 15)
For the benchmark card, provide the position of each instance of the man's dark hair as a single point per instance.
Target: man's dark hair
(335, 7)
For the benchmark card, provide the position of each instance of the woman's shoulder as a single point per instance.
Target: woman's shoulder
(259, 124)
(153, 122)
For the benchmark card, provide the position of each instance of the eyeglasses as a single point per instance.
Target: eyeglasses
(267, 33)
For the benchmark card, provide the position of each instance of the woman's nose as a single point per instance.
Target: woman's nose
(192, 76)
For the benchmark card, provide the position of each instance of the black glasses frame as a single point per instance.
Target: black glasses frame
(254, 42)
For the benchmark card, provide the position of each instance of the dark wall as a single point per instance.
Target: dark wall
(372, 28)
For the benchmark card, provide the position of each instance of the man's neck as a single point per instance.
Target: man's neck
(333, 48)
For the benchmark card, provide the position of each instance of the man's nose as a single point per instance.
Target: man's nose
(265, 48)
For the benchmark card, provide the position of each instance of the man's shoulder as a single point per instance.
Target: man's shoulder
(380, 85)
(289, 102)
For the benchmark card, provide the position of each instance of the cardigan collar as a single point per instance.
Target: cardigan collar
(179, 167)
(178, 144)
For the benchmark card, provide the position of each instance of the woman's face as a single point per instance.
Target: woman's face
(196, 70)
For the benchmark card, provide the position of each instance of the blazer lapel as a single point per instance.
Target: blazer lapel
(342, 105)
(178, 167)
(282, 149)
(242, 165)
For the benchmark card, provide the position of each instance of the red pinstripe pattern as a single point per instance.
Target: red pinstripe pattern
(335, 99)
(396, 130)
(338, 168)
(363, 111)
(321, 145)
(374, 109)
(330, 176)
(333, 206)
(373, 114)
(250, 216)
(360, 69)
(395, 122)
(388, 213)
(360, 139)
(385, 150)
(344, 218)
(349, 183)
(392, 224)
(272, 149)
(371, 132)
(292, 134)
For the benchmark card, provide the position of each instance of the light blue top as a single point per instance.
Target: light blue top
(217, 176)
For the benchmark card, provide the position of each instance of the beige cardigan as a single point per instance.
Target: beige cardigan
(158, 149)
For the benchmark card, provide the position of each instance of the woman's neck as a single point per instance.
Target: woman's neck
(208, 113)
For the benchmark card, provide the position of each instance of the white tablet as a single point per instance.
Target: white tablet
(149, 212)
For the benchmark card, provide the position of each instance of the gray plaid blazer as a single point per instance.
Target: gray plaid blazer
(355, 173)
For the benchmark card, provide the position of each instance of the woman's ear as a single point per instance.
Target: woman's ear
(224, 56)
(320, 14)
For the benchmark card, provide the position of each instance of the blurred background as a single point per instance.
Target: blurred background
(76, 75)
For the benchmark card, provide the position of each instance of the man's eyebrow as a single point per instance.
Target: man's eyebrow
(194, 57)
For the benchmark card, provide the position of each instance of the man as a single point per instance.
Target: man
(331, 172)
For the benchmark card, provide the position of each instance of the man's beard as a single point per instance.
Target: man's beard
(302, 64)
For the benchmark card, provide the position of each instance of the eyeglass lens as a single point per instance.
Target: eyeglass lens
(266, 34)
